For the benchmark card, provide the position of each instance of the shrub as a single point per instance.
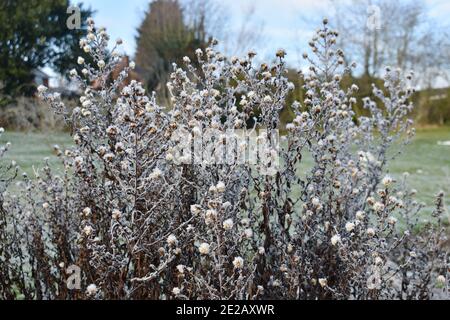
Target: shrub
(143, 220)
(25, 113)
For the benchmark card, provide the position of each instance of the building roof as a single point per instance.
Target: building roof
(40, 73)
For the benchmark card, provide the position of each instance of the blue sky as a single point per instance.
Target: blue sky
(281, 19)
(283, 26)
(288, 24)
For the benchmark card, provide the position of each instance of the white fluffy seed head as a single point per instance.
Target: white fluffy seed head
(91, 289)
(392, 220)
(387, 181)
(360, 215)
(116, 214)
(323, 282)
(238, 263)
(378, 261)
(180, 268)
(220, 187)
(196, 209)
(87, 211)
(204, 248)
(228, 224)
(176, 291)
(441, 280)
(315, 202)
(171, 240)
(349, 226)
(88, 230)
(371, 232)
(378, 207)
(335, 239)
(156, 174)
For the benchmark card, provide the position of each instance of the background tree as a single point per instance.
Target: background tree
(400, 34)
(236, 36)
(378, 33)
(164, 38)
(172, 29)
(34, 34)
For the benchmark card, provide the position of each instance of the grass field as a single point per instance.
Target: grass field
(427, 162)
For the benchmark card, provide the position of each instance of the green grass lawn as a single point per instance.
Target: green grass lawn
(427, 162)
(30, 149)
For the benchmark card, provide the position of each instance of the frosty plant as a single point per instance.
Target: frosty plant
(143, 219)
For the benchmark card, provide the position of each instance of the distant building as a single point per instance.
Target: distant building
(60, 85)
(133, 74)
(41, 78)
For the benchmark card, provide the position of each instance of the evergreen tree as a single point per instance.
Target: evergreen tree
(164, 37)
(34, 34)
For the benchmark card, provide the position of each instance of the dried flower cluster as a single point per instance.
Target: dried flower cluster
(141, 223)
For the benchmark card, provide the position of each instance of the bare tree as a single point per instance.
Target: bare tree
(396, 33)
(174, 29)
(248, 33)
(214, 19)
